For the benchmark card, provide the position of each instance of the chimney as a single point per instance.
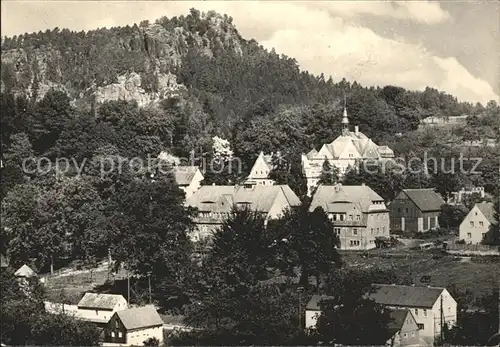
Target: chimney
(356, 129)
(362, 184)
(213, 184)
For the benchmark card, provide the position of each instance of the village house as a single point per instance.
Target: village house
(215, 203)
(188, 179)
(259, 174)
(431, 307)
(133, 326)
(416, 210)
(313, 310)
(347, 150)
(476, 224)
(457, 198)
(403, 329)
(99, 308)
(358, 214)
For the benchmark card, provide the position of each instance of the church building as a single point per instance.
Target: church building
(347, 150)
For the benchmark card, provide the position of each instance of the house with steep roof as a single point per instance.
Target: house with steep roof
(403, 329)
(99, 308)
(259, 174)
(215, 203)
(133, 326)
(476, 224)
(313, 310)
(347, 150)
(416, 210)
(358, 214)
(188, 178)
(432, 307)
(25, 272)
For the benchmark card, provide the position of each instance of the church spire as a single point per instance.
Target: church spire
(345, 120)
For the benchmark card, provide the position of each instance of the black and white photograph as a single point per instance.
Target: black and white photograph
(250, 173)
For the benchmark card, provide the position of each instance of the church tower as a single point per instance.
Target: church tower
(345, 120)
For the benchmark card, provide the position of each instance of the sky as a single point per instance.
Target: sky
(453, 46)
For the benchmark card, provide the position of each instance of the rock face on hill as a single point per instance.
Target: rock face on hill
(129, 63)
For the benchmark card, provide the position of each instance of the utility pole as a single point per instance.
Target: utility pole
(149, 284)
(299, 291)
(128, 288)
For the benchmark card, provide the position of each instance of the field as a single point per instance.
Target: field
(477, 275)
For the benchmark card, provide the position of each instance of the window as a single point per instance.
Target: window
(405, 335)
(412, 334)
(116, 324)
(371, 231)
(120, 335)
(378, 230)
(481, 224)
(350, 217)
(416, 312)
(358, 217)
(469, 235)
(425, 313)
(341, 217)
(334, 217)
(399, 209)
(420, 326)
(355, 231)
(112, 334)
(484, 236)
(471, 223)
(407, 210)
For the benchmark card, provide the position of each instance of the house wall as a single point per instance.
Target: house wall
(406, 216)
(360, 235)
(409, 333)
(114, 331)
(474, 234)
(260, 172)
(92, 314)
(137, 337)
(312, 318)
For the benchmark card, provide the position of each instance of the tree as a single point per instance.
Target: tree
(493, 235)
(452, 216)
(306, 240)
(149, 227)
(329, 174)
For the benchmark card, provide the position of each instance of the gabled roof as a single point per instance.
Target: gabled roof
(426, 199)
(405, 296)
(312, 153)
(487, 210)
(315, 303)
(222, 198)
(184, 174)
(398, 317)
(334, 197)
(139, 317)
(100, 301)
(25, 271)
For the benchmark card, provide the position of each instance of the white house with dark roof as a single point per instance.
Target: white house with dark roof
(99, 308)
(215, 203)
(403, 329)
(313, 310)
(416, 210)
(358, 214)
(188, 178)
(345, 151)
(432, 307)
(259, 174)
(476, 224)
(133, 326)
